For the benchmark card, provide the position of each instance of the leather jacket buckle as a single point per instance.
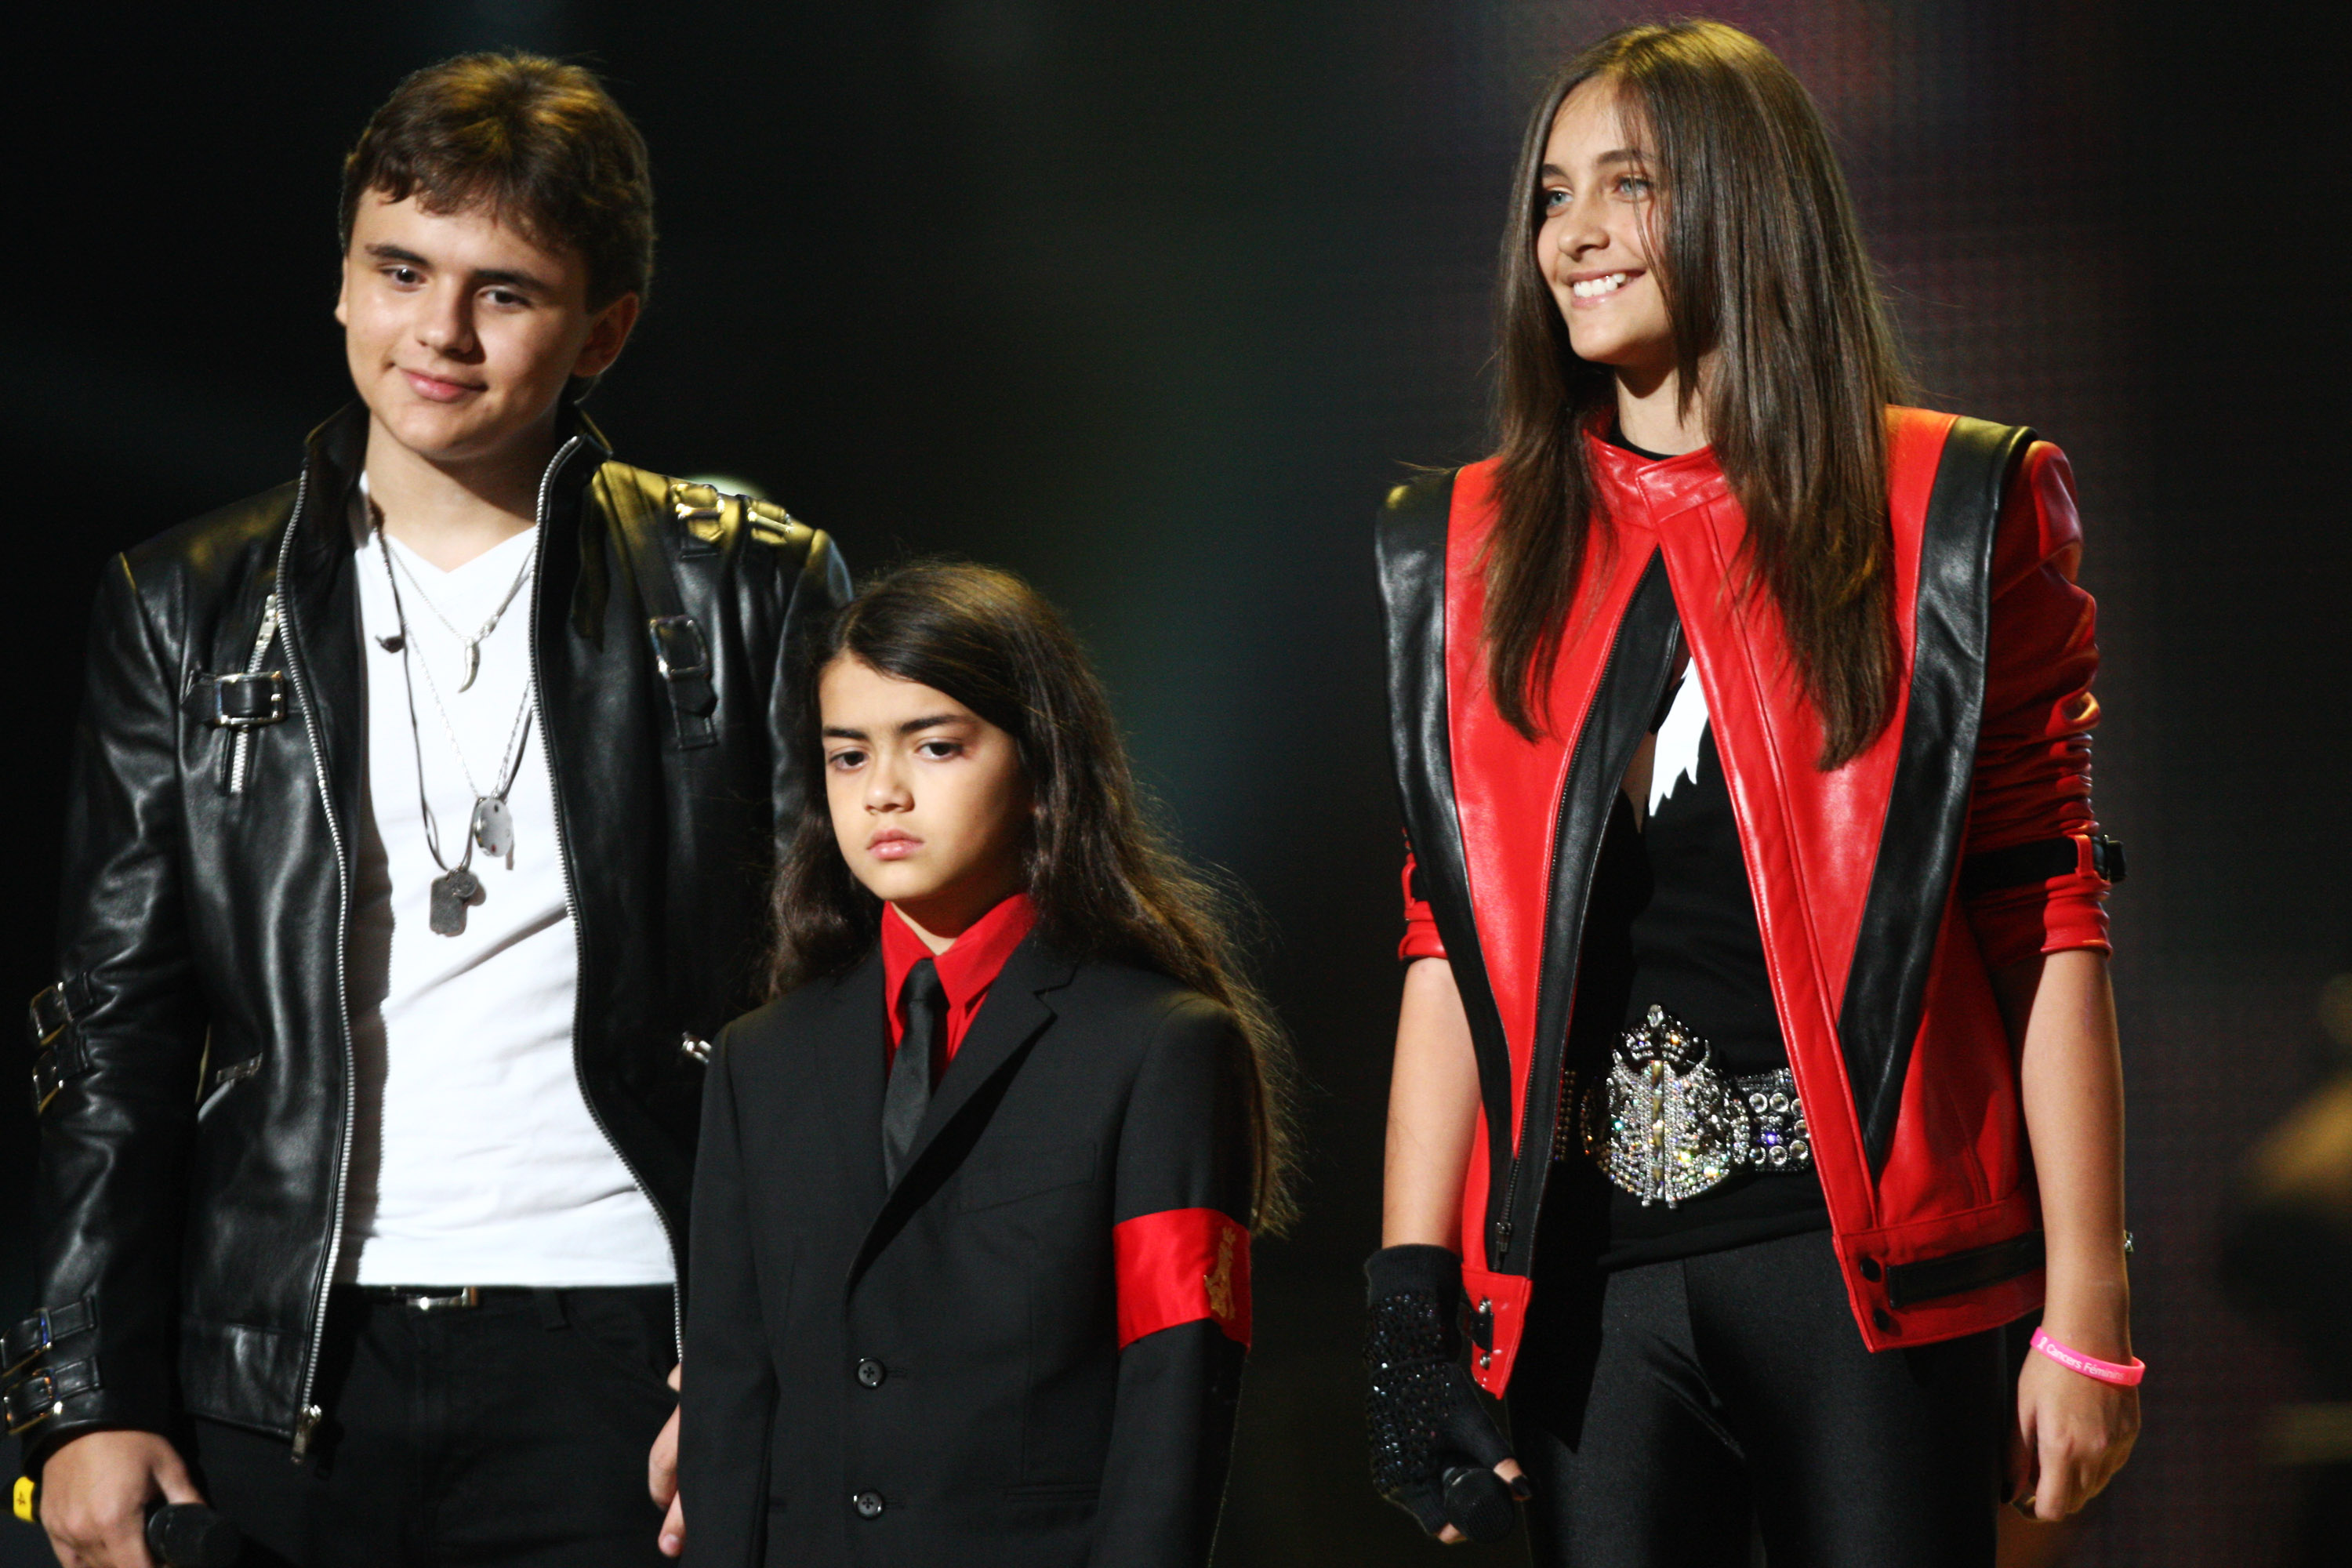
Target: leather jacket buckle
(54, 1066)
(235, 701)
(58, 1053)
(35, 1398)
(32, 1338)
(53, 1012)
(700, 507)
(680, 651)
(2107, 860)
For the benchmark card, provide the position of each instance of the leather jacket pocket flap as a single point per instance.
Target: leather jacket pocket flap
(1019, 1169)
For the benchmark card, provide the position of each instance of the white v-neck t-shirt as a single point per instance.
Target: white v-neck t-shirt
(475, 1158)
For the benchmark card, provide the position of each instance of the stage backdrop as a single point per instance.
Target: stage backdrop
(1153, 303)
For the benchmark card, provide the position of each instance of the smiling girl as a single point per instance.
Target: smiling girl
(973, 1207)
(1757, 1064)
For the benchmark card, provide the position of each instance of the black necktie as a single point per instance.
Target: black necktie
(923, 1003)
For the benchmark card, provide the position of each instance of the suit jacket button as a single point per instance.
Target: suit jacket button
(869, 1505)
(870, 1373)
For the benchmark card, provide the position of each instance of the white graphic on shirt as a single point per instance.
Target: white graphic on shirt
(1676, 757)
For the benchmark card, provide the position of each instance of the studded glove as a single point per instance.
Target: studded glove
(1427, 1422)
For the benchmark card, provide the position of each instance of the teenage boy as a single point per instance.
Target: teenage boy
(421, 819)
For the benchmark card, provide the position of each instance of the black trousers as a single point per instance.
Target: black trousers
(514, 1432)
(1668, 1412)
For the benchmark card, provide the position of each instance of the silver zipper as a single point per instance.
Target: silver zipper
(308, 1421)
(572, 906)
(242, 745)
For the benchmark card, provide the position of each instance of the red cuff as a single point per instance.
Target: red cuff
(1420, 938)
(2015, 923)
(2063, 913)
(1178, 1267)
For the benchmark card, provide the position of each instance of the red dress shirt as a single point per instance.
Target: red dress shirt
(967, 968)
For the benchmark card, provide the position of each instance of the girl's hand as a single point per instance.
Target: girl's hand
(2073, 1434)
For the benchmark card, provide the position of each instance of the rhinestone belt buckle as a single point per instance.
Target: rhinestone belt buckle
(1665, 1126)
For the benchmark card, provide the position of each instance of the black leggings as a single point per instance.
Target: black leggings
(1666, 1412)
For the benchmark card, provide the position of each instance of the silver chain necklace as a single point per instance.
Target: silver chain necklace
(457, 890)
(472, 645)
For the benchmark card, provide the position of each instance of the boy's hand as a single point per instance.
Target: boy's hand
(661, 1480)
(94, 1495)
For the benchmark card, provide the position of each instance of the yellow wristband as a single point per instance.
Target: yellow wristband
(25, 1488)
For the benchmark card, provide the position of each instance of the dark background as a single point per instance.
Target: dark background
(1153, 304)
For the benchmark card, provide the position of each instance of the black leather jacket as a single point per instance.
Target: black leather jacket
(196, 1058)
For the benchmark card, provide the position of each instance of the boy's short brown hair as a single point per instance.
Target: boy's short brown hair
(539, 143)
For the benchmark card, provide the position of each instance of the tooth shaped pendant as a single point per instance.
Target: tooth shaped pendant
(493, 827)
(473, 664)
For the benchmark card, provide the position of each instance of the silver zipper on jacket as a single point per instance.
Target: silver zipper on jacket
(241, 746)
(307, 1419)
(571, 908)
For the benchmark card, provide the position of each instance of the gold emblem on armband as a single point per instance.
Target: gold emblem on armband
(1220, 1279)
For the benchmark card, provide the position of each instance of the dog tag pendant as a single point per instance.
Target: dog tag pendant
(494, 828)
(453, 894)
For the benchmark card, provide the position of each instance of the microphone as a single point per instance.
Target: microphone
(190, 1535)
(1478, 1502)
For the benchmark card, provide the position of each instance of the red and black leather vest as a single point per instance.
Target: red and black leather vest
(1879, 981)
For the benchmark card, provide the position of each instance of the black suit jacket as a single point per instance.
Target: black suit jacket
(930, 1373)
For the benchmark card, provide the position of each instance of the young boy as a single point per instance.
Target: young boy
(972, 1215)
(420, 814)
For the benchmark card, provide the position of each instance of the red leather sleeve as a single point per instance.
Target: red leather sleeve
(1420, 938)
(2033, 756)
(1180, 1266)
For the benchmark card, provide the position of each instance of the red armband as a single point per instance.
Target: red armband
(1178, 1267)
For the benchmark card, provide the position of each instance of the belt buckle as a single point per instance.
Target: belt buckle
(1664, 1125)
(440, 1300)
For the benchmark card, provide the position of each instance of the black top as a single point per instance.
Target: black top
(1672, 923)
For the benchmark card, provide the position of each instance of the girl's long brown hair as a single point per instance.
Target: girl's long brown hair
(1106, 884)
(1768, 288)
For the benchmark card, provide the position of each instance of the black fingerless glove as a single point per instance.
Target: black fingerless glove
(1427, 1424)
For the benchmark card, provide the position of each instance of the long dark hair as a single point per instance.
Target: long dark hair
(1106, 884)
(1763, 269)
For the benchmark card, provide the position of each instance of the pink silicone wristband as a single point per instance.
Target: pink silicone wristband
(2073, 1360)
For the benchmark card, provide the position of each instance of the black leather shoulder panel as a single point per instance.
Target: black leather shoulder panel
(1926, 812)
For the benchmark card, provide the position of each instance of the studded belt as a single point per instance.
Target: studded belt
(1665, 1125)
